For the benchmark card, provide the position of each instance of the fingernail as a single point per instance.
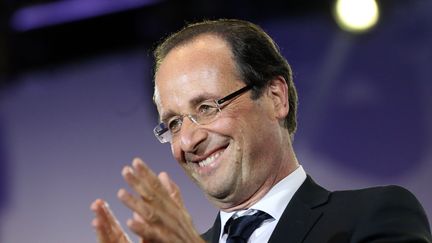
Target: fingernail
(136, 162)
(126, 170)
(95, 223)
(94, 204)
(129, 222)
(137, 217)
(120, 193)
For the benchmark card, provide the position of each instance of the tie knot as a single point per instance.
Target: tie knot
(241, 228)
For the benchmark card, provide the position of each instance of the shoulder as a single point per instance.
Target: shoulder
(374, 196)
(389, 190)
(384, 210)
(377, 200)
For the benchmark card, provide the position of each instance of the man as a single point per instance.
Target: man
(227, 105)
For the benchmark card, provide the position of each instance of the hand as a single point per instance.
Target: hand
(107, 227)
(159, 214)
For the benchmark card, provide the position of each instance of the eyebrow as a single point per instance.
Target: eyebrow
(166, 115)
(192, 103)
(202, 97)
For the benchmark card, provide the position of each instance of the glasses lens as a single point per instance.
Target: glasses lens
(206, 114)
(162, 133)
(204, 118)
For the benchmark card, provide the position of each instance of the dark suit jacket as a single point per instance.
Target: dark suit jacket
(315, 215)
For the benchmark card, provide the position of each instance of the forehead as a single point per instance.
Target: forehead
(202, 66)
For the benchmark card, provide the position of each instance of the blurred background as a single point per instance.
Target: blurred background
(76, 88)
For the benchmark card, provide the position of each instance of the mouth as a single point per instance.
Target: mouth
(207, 163)
(209, 160)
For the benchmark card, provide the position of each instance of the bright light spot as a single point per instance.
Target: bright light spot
(356, 15)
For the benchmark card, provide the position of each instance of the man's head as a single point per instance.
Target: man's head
(241, 153)
(256, 56)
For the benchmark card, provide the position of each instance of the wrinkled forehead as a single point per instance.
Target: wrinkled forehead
(202, 66)
(184, 97)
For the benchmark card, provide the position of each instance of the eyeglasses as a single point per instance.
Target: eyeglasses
(206, 113)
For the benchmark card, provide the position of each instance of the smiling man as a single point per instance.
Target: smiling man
(227, 106)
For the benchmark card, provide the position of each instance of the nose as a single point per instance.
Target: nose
(191, 135)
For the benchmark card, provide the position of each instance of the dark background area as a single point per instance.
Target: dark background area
(141, 26)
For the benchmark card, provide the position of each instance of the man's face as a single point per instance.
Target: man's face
(234, 156)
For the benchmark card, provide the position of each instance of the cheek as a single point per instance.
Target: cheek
(240, 125)
(234, 120)
(225, 126)
(176, 152)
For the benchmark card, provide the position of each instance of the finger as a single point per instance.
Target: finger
(139, 223)
(147, 219)
(152, 217)
(100, 223)
(142, 180)
(137, 206)
(108, 229)
(97, 207)
(137, 217)
(172, 188)
(138, 185)
(145, 175)
(101, 232)
(142, 168)
(113, 222)
(147, 233)
(165, 181)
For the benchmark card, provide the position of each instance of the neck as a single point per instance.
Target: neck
(287, 164)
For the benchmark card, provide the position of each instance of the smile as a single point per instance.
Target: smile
(209, 159)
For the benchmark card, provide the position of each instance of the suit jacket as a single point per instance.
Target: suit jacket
(379, 214)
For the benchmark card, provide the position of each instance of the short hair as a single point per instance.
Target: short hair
(257, 57)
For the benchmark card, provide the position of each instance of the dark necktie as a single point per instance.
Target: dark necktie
(240, 229)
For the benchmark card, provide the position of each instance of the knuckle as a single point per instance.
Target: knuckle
(151, 217)
(156, 185)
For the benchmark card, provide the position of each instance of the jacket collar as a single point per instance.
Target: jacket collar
(301, 214)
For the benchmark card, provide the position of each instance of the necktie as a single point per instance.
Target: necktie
(241, 228)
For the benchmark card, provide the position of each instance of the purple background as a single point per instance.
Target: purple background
(66, 130)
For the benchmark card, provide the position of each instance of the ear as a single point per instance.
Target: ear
(278, 92)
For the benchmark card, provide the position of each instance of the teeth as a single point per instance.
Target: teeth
(209, 159)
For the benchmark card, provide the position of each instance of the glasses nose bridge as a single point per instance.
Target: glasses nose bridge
(187, 129)
(192, 118)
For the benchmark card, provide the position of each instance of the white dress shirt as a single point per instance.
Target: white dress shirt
(273, 203)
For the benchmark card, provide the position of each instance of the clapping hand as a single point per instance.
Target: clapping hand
(158, 211)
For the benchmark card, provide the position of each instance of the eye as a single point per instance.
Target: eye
(206, 109)
(174, 124)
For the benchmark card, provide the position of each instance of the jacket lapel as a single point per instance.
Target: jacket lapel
(301, 214)
(212, 235)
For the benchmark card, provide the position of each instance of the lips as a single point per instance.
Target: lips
(204, 161)
(209, 159)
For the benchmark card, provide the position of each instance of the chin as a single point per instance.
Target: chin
(217, 192)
